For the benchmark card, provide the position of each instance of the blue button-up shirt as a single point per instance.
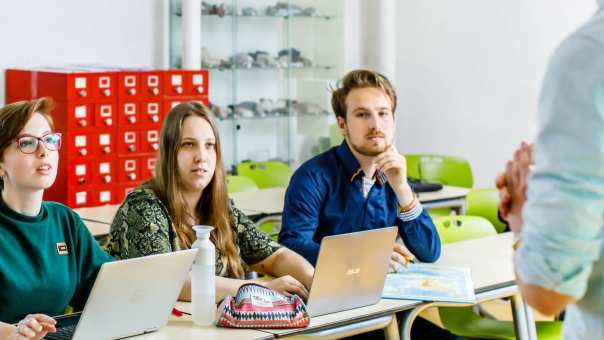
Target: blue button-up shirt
(325, 197)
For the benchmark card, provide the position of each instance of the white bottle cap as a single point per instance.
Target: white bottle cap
(203, 231)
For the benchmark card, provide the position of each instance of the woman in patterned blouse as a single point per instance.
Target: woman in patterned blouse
(189, 188)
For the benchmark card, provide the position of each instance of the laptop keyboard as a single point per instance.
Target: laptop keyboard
(63, 333)
(66, 326)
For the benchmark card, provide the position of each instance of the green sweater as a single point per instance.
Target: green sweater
(47, 261)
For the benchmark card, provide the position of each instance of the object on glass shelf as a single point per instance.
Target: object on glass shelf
(219, 111)
(208, 60)
(263, 59)
(248, 12)
(212, 9)
(264, 107)
(242, 60)
(284, 9)
(291, 57)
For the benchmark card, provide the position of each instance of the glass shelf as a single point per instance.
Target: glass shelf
(324, 17)
(218, 68)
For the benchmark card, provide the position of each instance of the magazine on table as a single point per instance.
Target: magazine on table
(428, 282)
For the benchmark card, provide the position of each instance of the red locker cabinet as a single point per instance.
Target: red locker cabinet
(186, 83)
(128, 85)
(128, 141)
(148, 166)
(110, 121)
(151, 113)
(149, 139)
(128, 113)
(151, 84)
(128, 170)
(170, 103)
(105, 115)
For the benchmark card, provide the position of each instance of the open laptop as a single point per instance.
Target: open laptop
(351, 270)
(129, 297)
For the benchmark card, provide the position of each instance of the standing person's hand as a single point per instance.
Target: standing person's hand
(512, 185)
(394, 167)
(34, 327)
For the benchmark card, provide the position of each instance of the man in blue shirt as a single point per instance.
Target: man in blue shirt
(361, 184)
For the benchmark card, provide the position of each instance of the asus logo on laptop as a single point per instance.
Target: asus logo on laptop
(353, 271)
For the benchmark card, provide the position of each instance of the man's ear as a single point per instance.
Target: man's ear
(341, 125)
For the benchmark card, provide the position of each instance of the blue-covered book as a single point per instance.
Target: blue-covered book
(428, 282)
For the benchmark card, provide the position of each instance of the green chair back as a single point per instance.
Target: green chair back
(266, 174)
(240, 184)
(447, 170)
(335, 135)
(457, 228)
(485, 203)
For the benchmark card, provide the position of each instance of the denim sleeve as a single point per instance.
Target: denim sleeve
(420, 237)
(301, 215)
(563, 217)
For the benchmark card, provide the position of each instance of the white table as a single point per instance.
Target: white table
(270, 201)
(490, 262)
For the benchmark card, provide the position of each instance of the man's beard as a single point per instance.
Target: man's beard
(367, 151)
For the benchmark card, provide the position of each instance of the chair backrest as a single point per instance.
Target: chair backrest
(457, 228)
(335, 135)
(240, 184)
(447, 170)
(485, 203)
(266, 174)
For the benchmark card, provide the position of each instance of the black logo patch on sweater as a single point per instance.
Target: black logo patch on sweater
(62, 248)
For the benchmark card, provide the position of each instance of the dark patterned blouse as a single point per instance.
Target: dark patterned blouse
(143, 227)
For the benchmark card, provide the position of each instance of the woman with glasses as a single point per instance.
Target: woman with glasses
(48, 258)
(189, 187)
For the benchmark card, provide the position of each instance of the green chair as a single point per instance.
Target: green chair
(463, 321)
(485, 202)
(266, 174)
(335, 135)
(447, 170)
(457, 228)
(240, 184)
(270, 225)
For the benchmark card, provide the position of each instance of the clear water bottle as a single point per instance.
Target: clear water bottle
(203, 281)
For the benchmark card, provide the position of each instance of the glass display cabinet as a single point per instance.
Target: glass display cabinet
(271, 67)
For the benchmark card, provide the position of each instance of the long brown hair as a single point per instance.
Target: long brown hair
(213, 206)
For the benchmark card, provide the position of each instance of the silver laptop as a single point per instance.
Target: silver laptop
(351, 270)
(129, 297)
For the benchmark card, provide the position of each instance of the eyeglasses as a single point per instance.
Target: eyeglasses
(29, 144)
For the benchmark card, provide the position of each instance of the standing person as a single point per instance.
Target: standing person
(189, 188)
(559, 220)
(48, 258)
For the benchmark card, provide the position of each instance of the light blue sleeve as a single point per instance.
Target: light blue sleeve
(564, 214)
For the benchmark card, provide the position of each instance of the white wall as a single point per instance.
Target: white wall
(469, 74)
(63, 32)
